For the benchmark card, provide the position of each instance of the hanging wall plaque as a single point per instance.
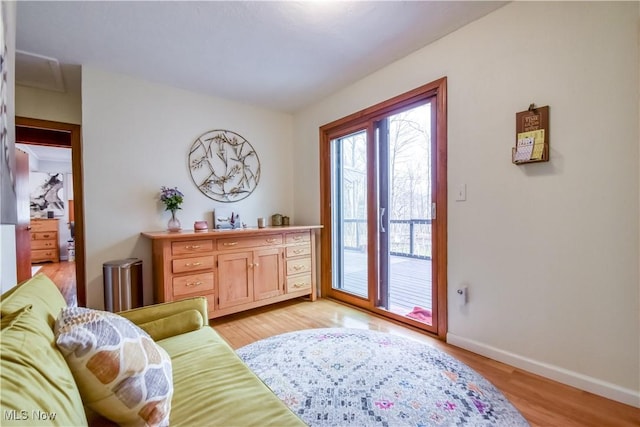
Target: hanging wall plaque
(224, 166)
(532, 136)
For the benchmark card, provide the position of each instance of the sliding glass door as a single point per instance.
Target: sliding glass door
(405, 176)
(382, 176)
(349, 214)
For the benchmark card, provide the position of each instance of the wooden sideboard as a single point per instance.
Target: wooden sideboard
(44, 240)
(235, 269)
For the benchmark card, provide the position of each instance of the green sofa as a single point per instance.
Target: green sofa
(212, 386)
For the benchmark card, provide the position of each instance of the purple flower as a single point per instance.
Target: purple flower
(171, 197)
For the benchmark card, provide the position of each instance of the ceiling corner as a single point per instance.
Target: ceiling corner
(39, 71)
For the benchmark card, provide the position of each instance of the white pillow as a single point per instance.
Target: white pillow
(120, 371)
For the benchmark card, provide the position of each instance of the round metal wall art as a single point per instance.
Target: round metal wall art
(224, 165)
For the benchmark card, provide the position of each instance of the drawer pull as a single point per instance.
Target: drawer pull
(193, 284)
(45, 235)
(192, 247)
(299, 285)
(297, 238)
(230, 243)
(272, 240)
(298, 251)
(193, 264)
(298, 267)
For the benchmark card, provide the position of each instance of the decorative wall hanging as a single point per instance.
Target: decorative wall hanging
(532, 136)
(46, 194)
(224, 166)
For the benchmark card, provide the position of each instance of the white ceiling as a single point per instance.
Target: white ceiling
(280, 55)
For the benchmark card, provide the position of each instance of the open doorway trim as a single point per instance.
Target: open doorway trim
(78, 194)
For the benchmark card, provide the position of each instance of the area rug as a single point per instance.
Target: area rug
(353, 377)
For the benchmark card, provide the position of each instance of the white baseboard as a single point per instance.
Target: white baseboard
(556, 373)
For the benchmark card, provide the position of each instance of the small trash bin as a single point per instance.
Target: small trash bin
(122, 284)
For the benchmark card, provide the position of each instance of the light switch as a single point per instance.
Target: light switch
(461, 193)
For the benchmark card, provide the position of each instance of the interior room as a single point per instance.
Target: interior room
(536, 281)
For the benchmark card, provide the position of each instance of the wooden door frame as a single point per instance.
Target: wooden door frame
(23, 235)
(438, 90)
(78, 194)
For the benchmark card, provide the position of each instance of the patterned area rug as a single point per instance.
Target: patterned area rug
(341, 377)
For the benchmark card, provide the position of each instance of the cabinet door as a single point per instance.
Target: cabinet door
(268, 277)
(235, 279)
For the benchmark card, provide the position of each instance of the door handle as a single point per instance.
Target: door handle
(382, 230)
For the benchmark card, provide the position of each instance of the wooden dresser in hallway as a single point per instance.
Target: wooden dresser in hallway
(44, 240)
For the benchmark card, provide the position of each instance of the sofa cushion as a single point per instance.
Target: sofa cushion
(121, 373)
(175, 324)
(37, 386)
(42, 294)
(212, 386)
(9, 319)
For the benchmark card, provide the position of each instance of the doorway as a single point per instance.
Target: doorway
(56, 134)
(384, 208)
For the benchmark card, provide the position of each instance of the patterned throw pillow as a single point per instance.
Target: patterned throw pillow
(120, 371)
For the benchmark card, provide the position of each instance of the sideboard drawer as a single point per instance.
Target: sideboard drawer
(183, 265)
(295, 251)
(298, 283)
(304, 236)
(191, 247)
(297, 266)
(249, 242)
(193, 283)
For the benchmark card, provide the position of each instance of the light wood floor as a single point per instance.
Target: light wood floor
(542, 402)
(63, 274)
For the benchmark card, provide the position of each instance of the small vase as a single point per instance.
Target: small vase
(174, 223)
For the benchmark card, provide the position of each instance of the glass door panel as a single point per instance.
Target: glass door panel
(349, 213)
(406, 188)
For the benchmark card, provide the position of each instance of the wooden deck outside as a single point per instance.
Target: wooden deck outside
(410, 284)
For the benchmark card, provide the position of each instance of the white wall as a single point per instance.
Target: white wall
(136, 138)
(65, 107)
(549, 251)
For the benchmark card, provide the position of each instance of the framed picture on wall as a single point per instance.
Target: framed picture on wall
(46, 194)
